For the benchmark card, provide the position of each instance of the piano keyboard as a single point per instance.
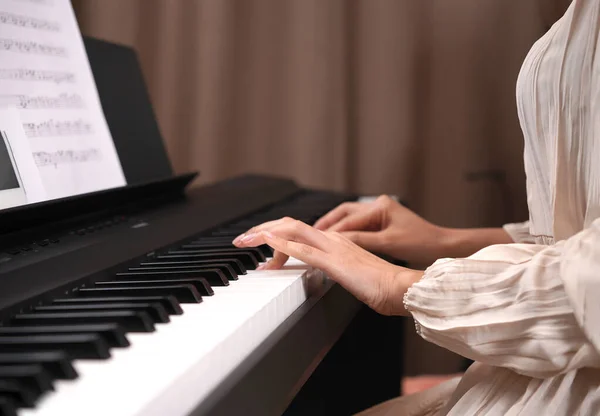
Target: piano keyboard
(161, 334)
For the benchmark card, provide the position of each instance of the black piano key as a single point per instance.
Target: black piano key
(7, 406)
(131, 321)
(235, 264)
(200, 285)
(194, 245)
(225, 233)
(214, 277)
(31, 377)
(256, 252)
(56, 363)
(213, 240)
(183, 293)
(156, 311)
(77, 346)
(226, 269)
(18, 394)
(247, 259)
(111, 333)
(168, 302)
(266, 250)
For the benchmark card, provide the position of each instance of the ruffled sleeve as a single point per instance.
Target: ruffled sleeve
(534, 309)
(519, 232)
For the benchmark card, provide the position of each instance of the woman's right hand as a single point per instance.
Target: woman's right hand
(387, 227)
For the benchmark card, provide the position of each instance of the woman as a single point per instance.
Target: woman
(526, 306)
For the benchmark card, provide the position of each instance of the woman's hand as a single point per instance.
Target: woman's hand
(385, 226)
(371, 280)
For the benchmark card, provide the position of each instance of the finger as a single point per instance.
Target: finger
(357, 221)
(277, 262)
(264, 226)
(336, 264)
(335, 215)
(303, 252)
(368, 240)
(289, 230)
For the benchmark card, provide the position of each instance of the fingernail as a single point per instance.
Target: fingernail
(247, 238)
(238, 238)
(264, 266)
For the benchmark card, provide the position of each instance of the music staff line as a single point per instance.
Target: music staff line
(23, 74)
(61, 157)
(28, 22)
(54, 128)
(30, 47)
(59, 102)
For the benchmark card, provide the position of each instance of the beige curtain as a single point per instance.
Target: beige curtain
(410, 97)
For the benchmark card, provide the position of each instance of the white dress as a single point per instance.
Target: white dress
(529, 313)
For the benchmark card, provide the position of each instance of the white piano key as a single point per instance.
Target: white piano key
(172, 370)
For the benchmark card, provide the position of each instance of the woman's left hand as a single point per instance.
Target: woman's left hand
(373, 281)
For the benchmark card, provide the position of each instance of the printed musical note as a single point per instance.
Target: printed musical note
(65, 157)
(28, 22)
(20, 46)
(23, 74)
(50, 128)
(24, 102)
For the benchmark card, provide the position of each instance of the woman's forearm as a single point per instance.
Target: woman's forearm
(458, 243)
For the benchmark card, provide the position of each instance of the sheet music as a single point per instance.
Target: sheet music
(46, 77)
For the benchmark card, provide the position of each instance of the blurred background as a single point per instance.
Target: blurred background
(408, 97)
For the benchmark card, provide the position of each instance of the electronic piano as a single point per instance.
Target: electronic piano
(133, 301)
